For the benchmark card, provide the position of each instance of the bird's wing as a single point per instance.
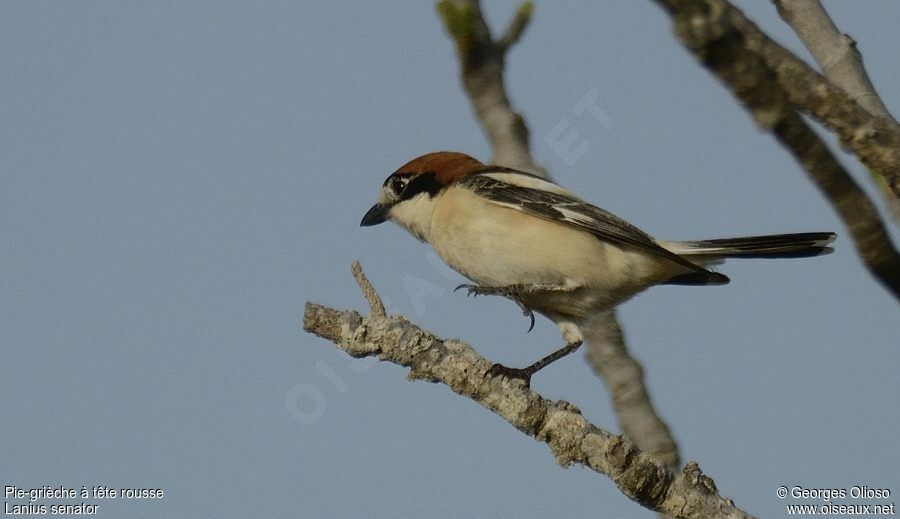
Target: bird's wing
(543, 199)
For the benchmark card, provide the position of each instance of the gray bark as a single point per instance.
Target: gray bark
(841, 62)
(688, 494)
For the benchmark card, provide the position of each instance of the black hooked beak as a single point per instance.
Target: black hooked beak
(376, 215)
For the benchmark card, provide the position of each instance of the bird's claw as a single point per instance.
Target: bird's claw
(527, 312)
(488, 291)
(475, 291)
(470, 289)
(504, 371)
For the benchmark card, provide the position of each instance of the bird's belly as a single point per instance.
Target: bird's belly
(510, 248)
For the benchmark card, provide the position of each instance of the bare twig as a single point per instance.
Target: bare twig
(716, 23)
(516, 27)
(376, 307)
(856, 210)
(754, 69)
(624, 378)
(836, 53)
(481, 62)
(570, 437)
(481, 69)
(842, 63)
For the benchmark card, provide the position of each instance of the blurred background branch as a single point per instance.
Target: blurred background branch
(481, 63)
(836, 53)
(841, 62)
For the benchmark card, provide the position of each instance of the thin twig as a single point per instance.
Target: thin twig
(716, 24)
(849, 200)
(481, 62)
(836, 53)
(376, 307)
(840, 60)
(516, 27)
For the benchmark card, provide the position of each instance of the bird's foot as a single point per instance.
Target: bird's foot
(526, 372)
(504, 371)
(513, 292)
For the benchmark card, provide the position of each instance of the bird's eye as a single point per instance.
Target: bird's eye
(398, 184)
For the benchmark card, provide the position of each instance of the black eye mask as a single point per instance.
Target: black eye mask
(422, 183)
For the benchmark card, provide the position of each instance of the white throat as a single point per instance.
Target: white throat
(414, 215)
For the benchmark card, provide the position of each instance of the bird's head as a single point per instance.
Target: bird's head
(416, 182)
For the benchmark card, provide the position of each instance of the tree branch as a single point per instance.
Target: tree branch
(836, 53)
(481, 62)
(841, 62)
(571, 438)
(623, 375)
(769, 85)
(875, 141)
(516, 27)
(853, 206)
(376, 307)
(481, 69)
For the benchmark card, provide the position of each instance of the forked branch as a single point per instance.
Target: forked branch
(773, 85)
(688, 494)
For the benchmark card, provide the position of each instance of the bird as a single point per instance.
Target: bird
(523, 237)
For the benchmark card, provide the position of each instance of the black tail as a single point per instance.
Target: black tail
(801, 245)
(706, 252)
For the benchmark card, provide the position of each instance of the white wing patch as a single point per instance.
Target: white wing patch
(529, 181)
(571, 214)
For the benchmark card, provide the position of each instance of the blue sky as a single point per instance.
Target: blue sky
(180, 178)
